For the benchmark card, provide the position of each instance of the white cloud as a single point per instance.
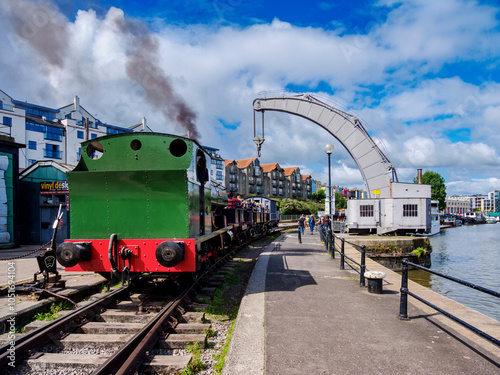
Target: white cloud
(220, 71)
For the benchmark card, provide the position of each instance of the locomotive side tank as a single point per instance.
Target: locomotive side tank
(138, 201)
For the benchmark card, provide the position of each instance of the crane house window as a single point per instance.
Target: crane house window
(366, 210)
(410, 210)
(79, 134)
(32, 145)
(7, 121)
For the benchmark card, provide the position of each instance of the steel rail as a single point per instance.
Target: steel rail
(128, 359)
(26, 343)
(130, 356)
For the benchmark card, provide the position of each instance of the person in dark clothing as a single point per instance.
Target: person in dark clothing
(302, 221)
(312, 223)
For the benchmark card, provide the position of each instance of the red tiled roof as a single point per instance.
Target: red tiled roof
(289, 171)
(269, 167)
(243, 163)
(227, 162)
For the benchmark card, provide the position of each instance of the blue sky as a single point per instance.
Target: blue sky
(423, 76)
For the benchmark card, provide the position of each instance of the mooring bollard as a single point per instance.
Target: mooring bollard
(375, 279)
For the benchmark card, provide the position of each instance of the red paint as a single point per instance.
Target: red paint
(143, 257)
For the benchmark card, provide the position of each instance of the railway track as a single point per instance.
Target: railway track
(126, 331)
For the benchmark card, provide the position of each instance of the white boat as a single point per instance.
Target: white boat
(491, 220)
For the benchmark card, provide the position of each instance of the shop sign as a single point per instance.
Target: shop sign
(58, 186)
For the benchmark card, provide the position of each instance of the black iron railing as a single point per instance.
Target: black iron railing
(403, 305)
(332, 248)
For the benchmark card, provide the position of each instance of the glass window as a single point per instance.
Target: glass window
(219, 175)
(32, 145)
(7, 121)
(93, 136)
(366, 210)
(31, 161)
(79, 134)
(410, 210)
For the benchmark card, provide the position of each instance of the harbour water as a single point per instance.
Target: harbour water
(470, 253)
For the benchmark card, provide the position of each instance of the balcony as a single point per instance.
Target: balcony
(257, 172)
(251, 180)
(233, 178)
(273, 175)
(233, 169)
(259, 181)
(275, 183)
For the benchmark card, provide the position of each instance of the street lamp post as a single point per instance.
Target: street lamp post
(329, 149)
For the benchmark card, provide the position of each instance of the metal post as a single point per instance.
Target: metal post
(330, 191)
(363, 266)
(332, 242)
(403, 302)
(342, 253)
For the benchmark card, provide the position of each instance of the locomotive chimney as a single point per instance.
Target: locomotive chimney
(419, 176)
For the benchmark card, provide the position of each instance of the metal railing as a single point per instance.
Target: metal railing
(403, 304)
(341, 250)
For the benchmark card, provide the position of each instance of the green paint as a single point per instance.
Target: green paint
(134, 193)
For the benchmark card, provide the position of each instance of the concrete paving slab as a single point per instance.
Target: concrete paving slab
(318, 320)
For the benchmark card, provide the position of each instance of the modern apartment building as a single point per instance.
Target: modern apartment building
(273, 180)
(50, 133)
(494, 197)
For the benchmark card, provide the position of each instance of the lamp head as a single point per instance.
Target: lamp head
(328, 148)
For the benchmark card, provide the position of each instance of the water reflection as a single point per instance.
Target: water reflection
(470, 253)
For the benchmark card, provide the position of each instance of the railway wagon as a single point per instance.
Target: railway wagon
(142, 202)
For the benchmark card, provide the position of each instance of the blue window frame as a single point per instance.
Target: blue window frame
(79, 134)
(7, 121)
(219, 175)
(52, 151)
(32, 145)
(93, 136)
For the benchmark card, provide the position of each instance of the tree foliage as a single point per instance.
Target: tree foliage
(438, 187)
(340, 201)
(320, 196)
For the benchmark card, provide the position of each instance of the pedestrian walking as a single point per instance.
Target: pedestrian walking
(301, 223)
(312, 223)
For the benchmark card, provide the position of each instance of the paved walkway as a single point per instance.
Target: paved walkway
(301, 314)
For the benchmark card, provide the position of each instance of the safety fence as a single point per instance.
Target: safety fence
(405, 292)
(332, 246)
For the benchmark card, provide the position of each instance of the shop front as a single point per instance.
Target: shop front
(43, 190)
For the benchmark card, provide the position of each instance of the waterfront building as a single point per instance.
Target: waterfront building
(273, 180)
(50, 133)
(477, 201)
(494, 196)
(217, 167)
(293, 182)
(457, 205)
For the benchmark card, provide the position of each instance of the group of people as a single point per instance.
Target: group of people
(247, 204)
(310, 221)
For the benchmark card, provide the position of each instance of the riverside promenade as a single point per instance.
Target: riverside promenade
(302, 315)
